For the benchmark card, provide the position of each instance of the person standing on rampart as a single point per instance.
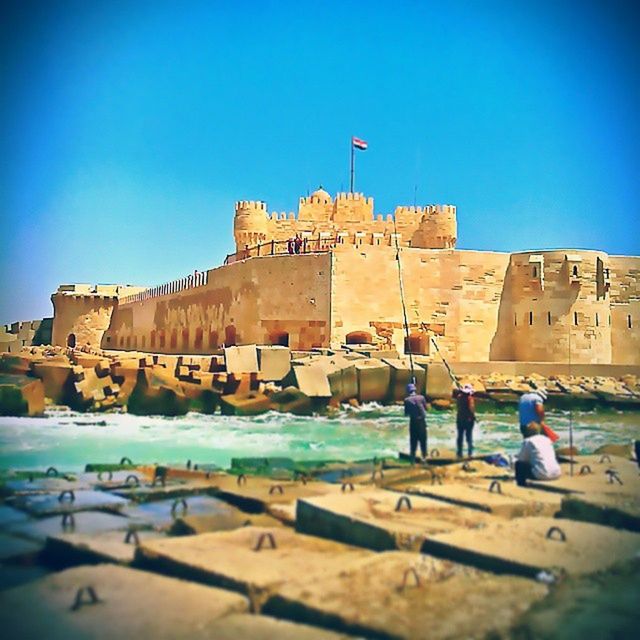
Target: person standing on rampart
(465, 418)
(297, 243)
(290, 246)
(415, 406)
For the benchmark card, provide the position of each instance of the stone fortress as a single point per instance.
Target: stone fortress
(565, 306)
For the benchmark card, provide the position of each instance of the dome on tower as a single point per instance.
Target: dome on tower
(321, 194)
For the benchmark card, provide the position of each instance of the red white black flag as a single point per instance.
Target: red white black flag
(359, 143)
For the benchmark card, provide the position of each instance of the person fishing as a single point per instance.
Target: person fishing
(465, 418)
(531, 410)
(537, 459)
(415, 406)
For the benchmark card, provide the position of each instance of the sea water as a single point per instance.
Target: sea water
(69, 440)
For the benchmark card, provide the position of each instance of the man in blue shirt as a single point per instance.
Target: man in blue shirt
(415, 406)
(531, 409)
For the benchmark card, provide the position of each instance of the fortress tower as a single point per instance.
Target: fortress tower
(250, 223)
(438, 228)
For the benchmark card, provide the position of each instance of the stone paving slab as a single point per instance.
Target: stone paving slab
(173, 489)
(539, 503)
(526, 546)
(92, 548)
(488, 498)
(26, 486)
(590, 478)
(131, 604)
(110, 480)
(382, 520)
(614, 510)
(69, 501)
(258, 627)
(10, 516)
(82, 522)
(161, 514)
(253, 494)
(190, 525)
(244, 560)
(13, 549)
(379, 597)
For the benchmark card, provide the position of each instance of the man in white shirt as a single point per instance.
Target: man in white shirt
(537, 459)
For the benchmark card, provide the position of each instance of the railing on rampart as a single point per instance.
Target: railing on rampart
(193, 280)
(283, 247)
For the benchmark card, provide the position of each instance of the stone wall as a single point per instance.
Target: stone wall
(269, 300)
(456, 293)
(625, 309)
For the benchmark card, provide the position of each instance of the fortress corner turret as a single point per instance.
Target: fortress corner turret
(250, 223)
(438, 228)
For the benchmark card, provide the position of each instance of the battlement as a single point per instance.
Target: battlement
(257, 205)
(348, 215)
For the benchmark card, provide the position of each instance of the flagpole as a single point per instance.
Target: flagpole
(353, 166)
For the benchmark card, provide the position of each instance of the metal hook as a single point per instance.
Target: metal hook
(80, 601)
(403, 500)
(262, 538)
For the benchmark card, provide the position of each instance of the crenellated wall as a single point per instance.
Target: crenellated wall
(271, 300)
(347, 219)
(82, 312)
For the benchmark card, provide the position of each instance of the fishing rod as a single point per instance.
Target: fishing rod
(404, 306)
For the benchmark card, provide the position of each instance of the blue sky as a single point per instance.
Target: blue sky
(128, 129)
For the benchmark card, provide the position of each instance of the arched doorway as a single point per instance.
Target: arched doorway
(359, 337)
(71, 340)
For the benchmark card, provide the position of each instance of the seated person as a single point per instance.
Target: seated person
(537, 459)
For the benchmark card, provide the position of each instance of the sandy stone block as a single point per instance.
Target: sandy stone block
(374, 377)
(69, 501)
(131, 604)
(526, 546)
(21, 396)
(256, 627)
(397, 594)
(274, 362)
(438, 381)
(614, 510)
(84, 522)
(312, 380)
(402, 375)
(14, 549)
(109, 546)
(242, 359)
(475, 497)
(251, 560)
(621, 477)
(382, 520)
(254, 494)
(54, 376)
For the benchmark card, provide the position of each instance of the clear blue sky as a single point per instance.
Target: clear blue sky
(128, 129)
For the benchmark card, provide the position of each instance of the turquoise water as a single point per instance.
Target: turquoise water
(69, 440)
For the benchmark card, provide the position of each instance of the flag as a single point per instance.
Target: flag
(359, 144)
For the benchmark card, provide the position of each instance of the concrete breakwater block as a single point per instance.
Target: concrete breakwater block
(83, 522)
(13, 549)
(161, 514)
(256, 627)
(614, 510)
(21, 396)
(374, 377)
(539, 503)
(109, 601)
(56, 377)
(35, 485)
(526, 546)
(422, 596)
(10, 516)
(246, 404)
(311, 379)
(171, 489)
(383, 520)
(621, 477)
(109, 480)
(187, 525)
(243, 359)
(251, 560)
(438, 381)
(402, 375)
(69, 501)
(274, 362)
(93, 548)
(253, 494)
(488, 498)
(291, 400)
